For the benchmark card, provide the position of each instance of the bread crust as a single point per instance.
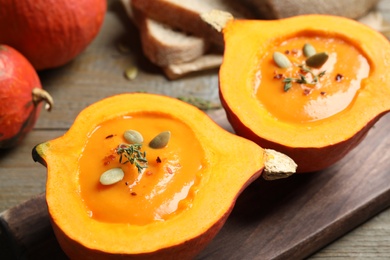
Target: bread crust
(163, 45)
(185, 15)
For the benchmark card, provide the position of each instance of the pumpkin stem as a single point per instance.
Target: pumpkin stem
(40, 95)
(217, 19)
(277, 165)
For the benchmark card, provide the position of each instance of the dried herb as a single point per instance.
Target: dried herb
(200, 103)
(314, 60)
(302, 78)
(132, 153)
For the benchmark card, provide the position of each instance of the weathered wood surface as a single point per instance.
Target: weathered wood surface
(284, 219)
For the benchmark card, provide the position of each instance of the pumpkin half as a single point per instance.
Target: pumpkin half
(169, 209)
(313, 110)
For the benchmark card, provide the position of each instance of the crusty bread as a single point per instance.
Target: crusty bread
(185, 14)
(163, 45)
(277, 9)
(203, 63)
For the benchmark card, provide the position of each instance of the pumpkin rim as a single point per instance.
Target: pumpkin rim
(361, 110)
(114, 237)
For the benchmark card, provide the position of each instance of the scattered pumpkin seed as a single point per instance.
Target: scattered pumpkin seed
(161, 140)
(309, 50)
(133, 137)
(131, 73)
(317, 60)
(112, 176)
(281, 60)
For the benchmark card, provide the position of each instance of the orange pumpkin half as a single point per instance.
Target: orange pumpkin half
(169, 207)
(314, 111)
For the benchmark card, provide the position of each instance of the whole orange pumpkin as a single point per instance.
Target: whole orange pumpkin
(21, 94)
(50, 33)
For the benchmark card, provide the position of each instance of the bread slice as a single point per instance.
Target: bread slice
(185, 14)
(163, 45)
(203, 63)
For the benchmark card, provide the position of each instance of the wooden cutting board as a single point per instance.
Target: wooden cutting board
(284, 219)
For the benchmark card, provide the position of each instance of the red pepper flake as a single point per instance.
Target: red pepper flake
(339, 77)
(287, 52)
(158, 160)
(108, 159)
(323, 93)
(294, 51)
(169, 170)
(133, 193)
(122, 146)
(148, 173)
(109, 136)
(278, 76)
(307, 91)
(126, 183)
(303, 72)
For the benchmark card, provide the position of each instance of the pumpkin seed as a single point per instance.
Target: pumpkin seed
(112, 176)
(317, 60)
(161, 140)
(281, 60)
(133, 137)
(131, 73)
(309, 50)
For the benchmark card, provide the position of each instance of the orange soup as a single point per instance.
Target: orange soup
(338, 80)
(166, 187)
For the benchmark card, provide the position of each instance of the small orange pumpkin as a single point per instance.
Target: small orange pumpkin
(50, 33)
(169, 210)
(21, 96)
(314, 114)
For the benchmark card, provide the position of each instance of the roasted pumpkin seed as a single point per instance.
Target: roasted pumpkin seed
(281, 60)
(317, 60)
(131, 73)
(161, 140)
(133, 137)
(112, 176)
(309, 50)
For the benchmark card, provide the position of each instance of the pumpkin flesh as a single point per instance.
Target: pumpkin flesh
(216, 184)
(164, 188)
(308, 103)
(270, 118)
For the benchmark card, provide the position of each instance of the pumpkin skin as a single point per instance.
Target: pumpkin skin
(312, 146)
(179, 237)
(50, 33)
(21, 94)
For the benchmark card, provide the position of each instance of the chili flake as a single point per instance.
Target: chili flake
(278, 76)
(339, 77)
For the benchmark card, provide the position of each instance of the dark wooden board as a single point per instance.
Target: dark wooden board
(285, 219)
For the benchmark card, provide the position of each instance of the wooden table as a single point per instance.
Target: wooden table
(99, 72)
